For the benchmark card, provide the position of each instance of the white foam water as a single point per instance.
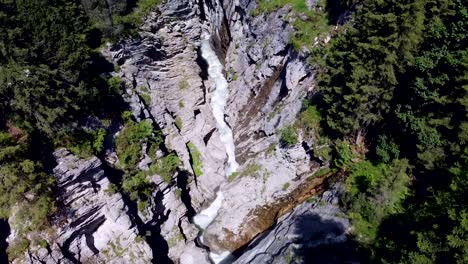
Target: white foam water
(219, 101)
(218, 104)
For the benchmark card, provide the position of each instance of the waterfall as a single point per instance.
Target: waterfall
(218, 104)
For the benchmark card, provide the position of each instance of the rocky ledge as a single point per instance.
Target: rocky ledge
(93, 225)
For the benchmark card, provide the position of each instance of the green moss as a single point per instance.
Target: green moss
(286, 186)
(139, 239)
(183, 84)
(175, 238)
(181, 104)
(146, 98)
(233, 176)
(197, 165)
(152, 151)
(178, 193)
(42, 243)
(178, 122)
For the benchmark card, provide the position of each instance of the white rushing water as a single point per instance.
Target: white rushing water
(218, 104)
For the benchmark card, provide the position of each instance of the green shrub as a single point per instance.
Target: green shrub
(373, 192)
(343, 154)
(286, 186)
(137, 186)
(142, 205)
(116, 84)
(289, 136)
(197, 165)
(83, 143)
(130, 139)
(111, 189)
(166, 166)
(135, 18)
(310, 119)
(386, 150)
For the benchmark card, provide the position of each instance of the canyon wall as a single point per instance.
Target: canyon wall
(268, 81)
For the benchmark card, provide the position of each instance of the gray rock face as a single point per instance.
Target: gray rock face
(94, 226)
(314, 232)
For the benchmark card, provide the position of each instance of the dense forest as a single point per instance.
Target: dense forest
(394, 100)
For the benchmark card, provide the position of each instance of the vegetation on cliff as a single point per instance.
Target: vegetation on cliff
(53, 85)
(394, 85)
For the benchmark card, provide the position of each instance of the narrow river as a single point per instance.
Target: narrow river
(218, 105)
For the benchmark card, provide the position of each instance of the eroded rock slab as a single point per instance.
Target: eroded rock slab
(93, 226)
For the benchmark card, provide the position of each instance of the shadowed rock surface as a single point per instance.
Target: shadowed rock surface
(314, 232)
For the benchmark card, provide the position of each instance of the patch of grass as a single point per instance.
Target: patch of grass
(181, 104)
(178, 122)
(152, 151)
(312, 200)
(251, 169)
(271, 149)
(197, 165)
(309, 120)
(17, 248)
(286, 186)
(146, 98)
(183, 84)
(175, 238)
(289, 136)
(111, 189)
(42, 243)
(139, 239)
(309, 24)
(233, 176)
(321, 172)
(178, 193)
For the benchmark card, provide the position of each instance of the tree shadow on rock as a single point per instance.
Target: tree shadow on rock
(323, 240)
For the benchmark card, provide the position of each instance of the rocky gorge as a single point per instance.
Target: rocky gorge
(167, 82)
